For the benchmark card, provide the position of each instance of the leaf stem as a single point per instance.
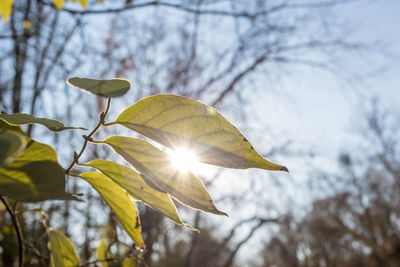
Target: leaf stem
(89, 138)
(18, 230)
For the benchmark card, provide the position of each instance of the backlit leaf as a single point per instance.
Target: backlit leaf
(101, 253)
(156, 168)
(34, 175)
(105, 88)
(119, 201)
(62, 251)
(177, 122)
(18, 119)
(11, 145)
(134, 184)
(6, 9)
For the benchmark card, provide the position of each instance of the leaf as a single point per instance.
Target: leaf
(83, 3)
(18, 119)
(119, 201)
(6, 126)
(106, 88)
(6, 9)
(59, 4)
(156, 168)
(62, 251)
(27, 24)
(177, 121)
(11, 145)
(129, 262)
(101, 253)
(134, 184)
(34, 175)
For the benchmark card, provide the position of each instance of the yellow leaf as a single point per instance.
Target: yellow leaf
(119, 201)
(179, 122)
(6, 9)
(156, 169)
(27, 25)
(83, 3)
(59, 4)
(62, 251)
(134, 184)
(129, 262)
(101, 253)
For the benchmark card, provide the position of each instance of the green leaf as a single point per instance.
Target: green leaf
(11, 145)
(18, 119)
(62, 251)
(119, 201)
(129, 262)
(134, 184)
(106, 88)
(101, 253)
(8, 127)
(177, 121)
(156, 169)
(34, 175)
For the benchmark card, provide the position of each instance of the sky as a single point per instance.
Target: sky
(319, 108)
(321, 111)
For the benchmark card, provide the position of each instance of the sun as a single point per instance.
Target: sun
(183, 159)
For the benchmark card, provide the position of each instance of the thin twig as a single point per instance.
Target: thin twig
(18, 230)
(89, 138)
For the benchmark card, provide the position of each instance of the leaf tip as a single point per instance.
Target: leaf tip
(218, 212)
(283, 168)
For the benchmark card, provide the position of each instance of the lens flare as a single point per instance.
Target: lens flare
(183, 159)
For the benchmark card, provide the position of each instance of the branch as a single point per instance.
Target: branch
(214, 12)
(184, 8)
(88, 138)
(17, 226)
(238, 77)
(261, 222)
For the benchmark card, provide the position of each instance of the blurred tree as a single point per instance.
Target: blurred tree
(358, 225)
